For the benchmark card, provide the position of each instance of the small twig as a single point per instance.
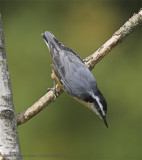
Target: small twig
(90, 61)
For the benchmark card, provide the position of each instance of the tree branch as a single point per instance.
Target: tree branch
(9, 144)
(116, 38)
(90, 61)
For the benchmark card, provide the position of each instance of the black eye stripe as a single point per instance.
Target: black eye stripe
(97, 107)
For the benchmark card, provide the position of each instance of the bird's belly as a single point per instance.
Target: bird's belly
(53, 75)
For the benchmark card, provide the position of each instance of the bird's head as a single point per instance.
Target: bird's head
(99, 105)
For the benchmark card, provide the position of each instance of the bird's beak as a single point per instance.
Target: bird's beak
(105, 122)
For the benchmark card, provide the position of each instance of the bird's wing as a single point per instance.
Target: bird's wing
(73, 74)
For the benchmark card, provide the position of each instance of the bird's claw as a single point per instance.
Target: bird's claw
(54, 91)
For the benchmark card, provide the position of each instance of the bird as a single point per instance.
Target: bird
(74, 77)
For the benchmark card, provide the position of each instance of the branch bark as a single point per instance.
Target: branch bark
(90, 61)
(9, 143)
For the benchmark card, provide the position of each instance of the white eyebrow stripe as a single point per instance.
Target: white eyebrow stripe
(101, 106)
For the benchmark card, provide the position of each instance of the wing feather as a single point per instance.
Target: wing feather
(73, 74)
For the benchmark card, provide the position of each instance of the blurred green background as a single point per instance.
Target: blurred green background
(67, 129)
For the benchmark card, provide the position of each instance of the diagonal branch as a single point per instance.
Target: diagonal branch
(90, 61)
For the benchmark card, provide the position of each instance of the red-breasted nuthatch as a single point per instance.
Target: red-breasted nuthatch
(74, 77)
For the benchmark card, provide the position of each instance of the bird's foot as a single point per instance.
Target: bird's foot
(54, 91)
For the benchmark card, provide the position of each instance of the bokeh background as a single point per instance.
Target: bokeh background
(67, 129)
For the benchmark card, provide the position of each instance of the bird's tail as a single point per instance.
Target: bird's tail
(50, 40)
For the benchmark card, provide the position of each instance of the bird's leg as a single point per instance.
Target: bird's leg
(54, 90)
